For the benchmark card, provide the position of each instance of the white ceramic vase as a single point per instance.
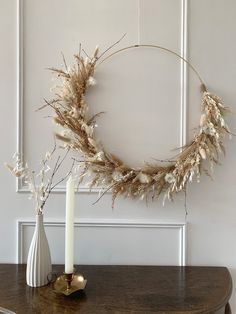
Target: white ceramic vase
(39, 265)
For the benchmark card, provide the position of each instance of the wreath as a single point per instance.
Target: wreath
(109, 171)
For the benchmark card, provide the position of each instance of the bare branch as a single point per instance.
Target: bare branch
(109, 188)
(109, 48)
(64, 61)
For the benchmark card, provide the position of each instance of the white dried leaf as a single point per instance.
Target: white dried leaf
(203, 119)
(100, 156)
(92, 142)
(96, 51)
(170, 178)
(144, 178)
(202, 152)
(91, 81)
(117, 176)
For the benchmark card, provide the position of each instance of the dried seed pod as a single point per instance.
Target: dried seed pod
(144, 178)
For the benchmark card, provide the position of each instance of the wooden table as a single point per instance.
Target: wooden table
(123, 289)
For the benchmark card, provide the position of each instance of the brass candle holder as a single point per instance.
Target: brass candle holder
(69, 283)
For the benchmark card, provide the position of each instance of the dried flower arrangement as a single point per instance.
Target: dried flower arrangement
(40, 184)
(72, 113)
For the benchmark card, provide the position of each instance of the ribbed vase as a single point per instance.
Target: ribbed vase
(39, 265)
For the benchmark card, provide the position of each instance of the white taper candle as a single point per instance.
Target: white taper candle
(69, 230)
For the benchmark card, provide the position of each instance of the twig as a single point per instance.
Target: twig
(45, 117)
(86, 54)
(110, 187)
(42, 107)
(64, 61)
(66, 176)
(109, 48)
(164, 160)
(76, 160)
(53, 174)
(59, 165)
(185, 203)
(95, 116)
(50, 185)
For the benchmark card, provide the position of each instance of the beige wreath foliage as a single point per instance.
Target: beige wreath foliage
(110, 172)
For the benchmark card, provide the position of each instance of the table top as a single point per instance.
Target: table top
(122, 289)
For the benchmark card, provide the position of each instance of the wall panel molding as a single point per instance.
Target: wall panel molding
(20, 187)
(144, 225)
(20, 82)
(184, 72)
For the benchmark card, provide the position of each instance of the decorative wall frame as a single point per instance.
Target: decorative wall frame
(143, 224)
(20, 187)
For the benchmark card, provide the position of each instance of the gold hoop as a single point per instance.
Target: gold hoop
(108, 170)
(158, 47)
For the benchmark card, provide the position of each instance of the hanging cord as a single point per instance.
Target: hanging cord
(139, 22)
(203, 86)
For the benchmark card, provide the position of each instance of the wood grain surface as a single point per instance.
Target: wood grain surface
(123, 289)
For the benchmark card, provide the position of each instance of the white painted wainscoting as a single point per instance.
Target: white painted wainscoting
(152, 104)
(112, 242)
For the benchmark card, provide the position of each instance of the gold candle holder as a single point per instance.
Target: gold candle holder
(69, 283)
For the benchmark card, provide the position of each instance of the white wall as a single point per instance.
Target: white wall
(136, 119)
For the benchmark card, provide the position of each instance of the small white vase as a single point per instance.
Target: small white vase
(39, 265)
